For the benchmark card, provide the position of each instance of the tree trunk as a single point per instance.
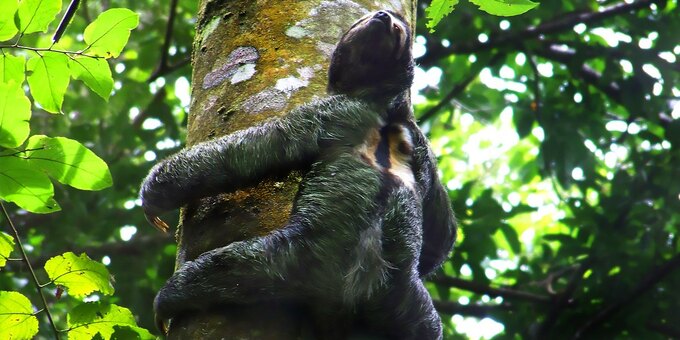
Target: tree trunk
(254, 60)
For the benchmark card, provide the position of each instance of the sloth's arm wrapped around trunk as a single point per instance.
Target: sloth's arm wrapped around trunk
(248, 156)
(439, 223)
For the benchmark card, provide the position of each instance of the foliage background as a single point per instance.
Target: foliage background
(557, 132)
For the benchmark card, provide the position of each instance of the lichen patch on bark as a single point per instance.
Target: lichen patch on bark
(325, 27)
(269, 99)
(209, 28)
(275, 98)
(239, 66)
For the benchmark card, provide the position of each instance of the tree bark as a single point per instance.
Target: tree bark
(253, 60)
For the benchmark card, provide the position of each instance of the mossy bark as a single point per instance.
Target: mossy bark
(254, 60)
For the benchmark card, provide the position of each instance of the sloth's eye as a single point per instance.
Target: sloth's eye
(397, 28)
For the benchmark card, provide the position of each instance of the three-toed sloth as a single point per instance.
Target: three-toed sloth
(370, 217)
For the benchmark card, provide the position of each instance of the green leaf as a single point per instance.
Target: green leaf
(49, 79)
(30, 189)
(88, 319)
(108, 34)
(6, 247)
(505, 8)
(80, 275)
(12, 68)
(95, 73)
(15, 113)
(36, 15)
(437, 10)
(130, 333)
(512, 238)
(68, 161)
(16, 317)
(7, 27)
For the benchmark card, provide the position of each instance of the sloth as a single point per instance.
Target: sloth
(370, 218)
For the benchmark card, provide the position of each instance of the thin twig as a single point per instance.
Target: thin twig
(460, 87)
(30, 269)
(50, 49)
(536, 87)
(65, 20)
(23, 151)
(169, 69)
(165, 51)
(584, 72)
(85, 12)
(562, 301)
(622, 51)
(158, 97)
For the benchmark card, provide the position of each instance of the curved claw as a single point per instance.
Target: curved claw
(158, 223)
(151, 213)
(167, 303)
(161, 324)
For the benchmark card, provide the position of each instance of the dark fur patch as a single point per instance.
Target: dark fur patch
(382, 152)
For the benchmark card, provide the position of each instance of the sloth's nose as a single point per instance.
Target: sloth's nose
(382, 16)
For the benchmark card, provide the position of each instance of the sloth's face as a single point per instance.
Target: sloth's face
(373, 58)
(378, 36)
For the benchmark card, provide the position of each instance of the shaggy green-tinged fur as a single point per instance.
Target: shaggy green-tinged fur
(359, 239)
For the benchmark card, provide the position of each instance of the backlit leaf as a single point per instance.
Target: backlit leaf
(6, 247)
(505, 8)
(36, 15)
(437, 10)
(79, 274)
(68, 161)
(12, 68)
(49, 79)
(7, 27)
(108, 34)
(15, 113)
(16, 317)
(95, 73)
(30, 189)
(511, 237)
(88, 319)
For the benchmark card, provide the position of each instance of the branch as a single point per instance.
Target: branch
(536, 88)
(169, 29)
(505, 293)
(666, 330)
(85, 12)
(460, 87)
(167, 69)
(163, 65)
(30, 269)
(652, 278)
(557, 24)
(622, 51)
(563, 300)
(585, 72)
(158, 97)
(478, 311)
(50, 49)
(65, 20)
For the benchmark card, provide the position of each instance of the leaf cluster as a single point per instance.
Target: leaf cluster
(28, 165)
(557, 135)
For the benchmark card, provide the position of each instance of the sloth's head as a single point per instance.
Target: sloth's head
(373, 58)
